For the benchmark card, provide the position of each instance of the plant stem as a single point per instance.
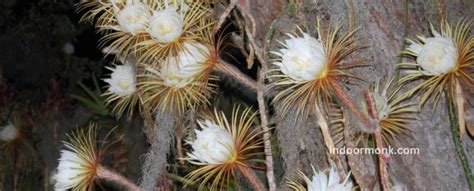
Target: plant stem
(384, 176)
(251, 177)
(266, 141)
(458, 144)
(323, 125)
(230, 70)
(112, 176)
(459, 97)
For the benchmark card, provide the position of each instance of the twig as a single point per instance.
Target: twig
(459, 97)
(266, 133)
(179, 143)
(230, 70)
(323, 125)
(251, 177)
(109, 175)
(384, 176)
(225, 14)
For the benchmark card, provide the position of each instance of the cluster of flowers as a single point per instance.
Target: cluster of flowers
(174, 56)
(165, 49)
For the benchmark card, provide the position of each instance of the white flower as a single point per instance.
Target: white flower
(436, 55)
(133, 18)
(213, 145)
(179, 71)
(302, 59)
(382, 106)
(166, 25)
(122, 80)
(71, 171)
(320, 182)
(8, 132)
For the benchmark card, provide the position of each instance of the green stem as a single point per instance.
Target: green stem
(458, 143)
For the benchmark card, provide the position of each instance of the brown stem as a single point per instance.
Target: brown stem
(251, 177)
(266, 141)
(348, 102)
(179, 143)
(384, 177)
(459, 97)
(225, 14)
(228, 69)
(323, 125)
(112, 176)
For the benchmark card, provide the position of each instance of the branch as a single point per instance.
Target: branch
(384, 176)
(251, 177)
(323, 125)
(230, 70)
(112, 176)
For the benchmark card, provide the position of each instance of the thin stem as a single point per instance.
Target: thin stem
(459, 97)
(323, 125)
(384, 176)
(230, 70)
(266, 141)
(458, 144)
(112, 176)
(179, 143)
(251, 177)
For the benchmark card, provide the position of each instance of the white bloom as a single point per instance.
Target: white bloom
(71, 171)
(122, 80)
(166, 25)
(179, 71)
(134, 17)
(213, 144)
(303, 59)
(382, 106)
(437, 56)
(320, 182)
(8, 132)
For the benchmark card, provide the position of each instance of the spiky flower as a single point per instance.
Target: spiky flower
(167, 24)
(393, 114)
(122, 81)
(441, 61)
(321, 182)
(122, 89)
(310, 68)
(213, 145)
(149, 30)
(445, 62)
(78, 163)
(133, 17)
(182, 81)
(223, 147)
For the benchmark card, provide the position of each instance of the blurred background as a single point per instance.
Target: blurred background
(50, 74)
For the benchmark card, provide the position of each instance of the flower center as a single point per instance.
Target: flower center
(124, 85)
(301, 63)
(164, 28)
